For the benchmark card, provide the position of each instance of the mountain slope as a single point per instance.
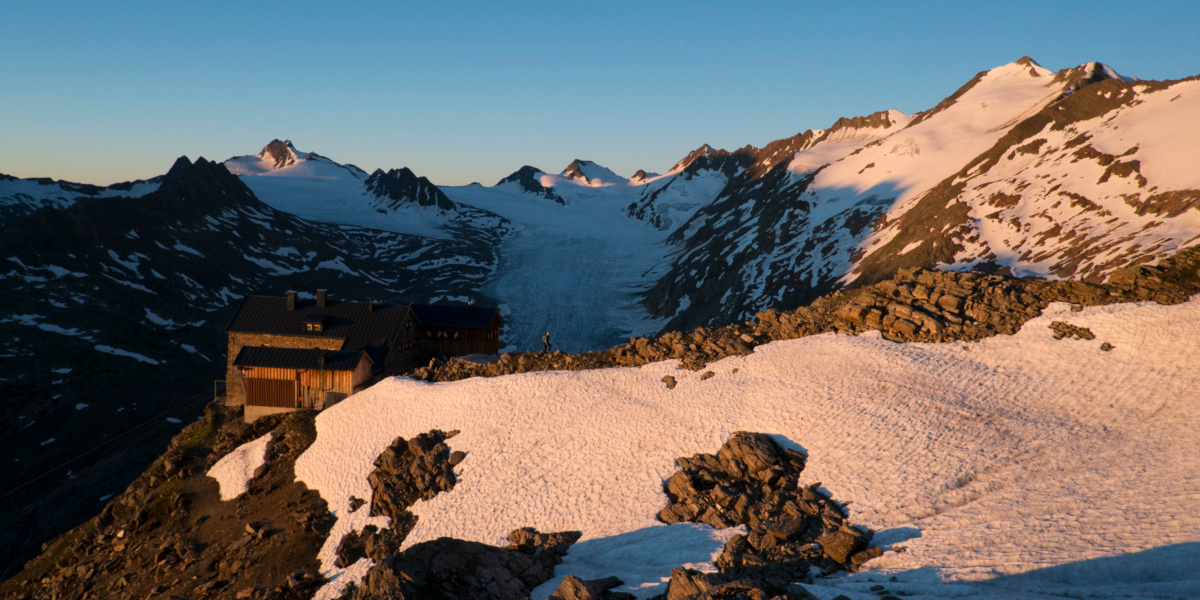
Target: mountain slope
(1070, 174)
(115, 315)
(857, 202)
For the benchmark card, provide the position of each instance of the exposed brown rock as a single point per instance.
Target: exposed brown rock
(449, 568)
(411, 470)
(1067, 330)
(574, 588)
(792, 528)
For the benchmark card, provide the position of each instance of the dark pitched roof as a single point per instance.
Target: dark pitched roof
(349, 321)
(465, 317)
(298, 358)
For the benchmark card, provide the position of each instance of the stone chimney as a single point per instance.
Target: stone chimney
(291, 301)
(321, 294)
(370, 304)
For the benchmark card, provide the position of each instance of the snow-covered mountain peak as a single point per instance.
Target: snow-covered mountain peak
(524, 173)
(280, 153)
(591, 174)
(528, 179)
(282, 159)
(703, 151)
(1022, 67)
(642, 176)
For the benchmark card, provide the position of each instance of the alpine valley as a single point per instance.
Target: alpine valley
(1024, 195)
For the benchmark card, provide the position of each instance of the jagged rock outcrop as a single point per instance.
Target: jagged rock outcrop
(397, 188)
(420, 468)
(690, 584)
(411, 470)
(574, 588)
(792, 528)
(1066, 330)
(447, 568)
(408, 470)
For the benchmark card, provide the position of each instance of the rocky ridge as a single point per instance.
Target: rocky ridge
(398, 187)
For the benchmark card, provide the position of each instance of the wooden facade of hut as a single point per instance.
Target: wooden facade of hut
(290, 378)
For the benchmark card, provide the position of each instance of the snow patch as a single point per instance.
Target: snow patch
(235, 470)
(134, 355)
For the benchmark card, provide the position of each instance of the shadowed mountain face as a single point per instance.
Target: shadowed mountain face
(399, 186)
(529, 180)
(115, 316)
(19, 197)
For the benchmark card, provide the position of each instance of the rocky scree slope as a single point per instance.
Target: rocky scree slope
(169, 534)
(114, 328)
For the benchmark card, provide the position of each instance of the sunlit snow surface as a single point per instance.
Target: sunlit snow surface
(1016, 466)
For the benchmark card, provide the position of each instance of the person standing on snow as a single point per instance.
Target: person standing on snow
(546, 342)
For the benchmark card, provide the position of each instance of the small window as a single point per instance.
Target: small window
(314, 323)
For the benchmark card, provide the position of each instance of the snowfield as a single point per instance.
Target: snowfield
(1018, 466)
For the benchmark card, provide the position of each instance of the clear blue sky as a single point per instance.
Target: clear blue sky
(471, 91)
